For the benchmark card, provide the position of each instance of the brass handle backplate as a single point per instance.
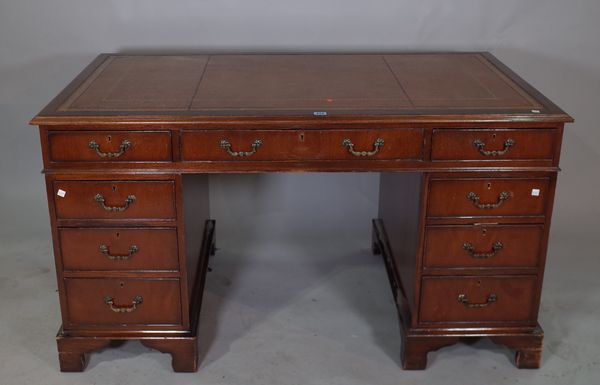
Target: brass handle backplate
(496, 247)
(105, 251)
(126, 308)
(227, 147)
(379, 142)
(504, 195)
(102, 202)
(125, 144)
(480, 145)
(462, 298)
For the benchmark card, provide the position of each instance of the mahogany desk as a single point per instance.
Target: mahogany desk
(468, 155)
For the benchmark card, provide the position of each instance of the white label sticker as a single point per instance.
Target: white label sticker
(61, 193)
(535, 192)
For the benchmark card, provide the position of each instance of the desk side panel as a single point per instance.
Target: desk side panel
(195, 213)
(400, 210)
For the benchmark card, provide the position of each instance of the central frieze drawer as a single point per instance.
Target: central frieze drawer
(121, 302)
(273, 145)
(115, 199)
(478, 299)
(487, 197)
(109, 146)
(88, 249)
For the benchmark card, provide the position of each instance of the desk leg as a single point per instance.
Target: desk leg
(72, 352)
(528, 347)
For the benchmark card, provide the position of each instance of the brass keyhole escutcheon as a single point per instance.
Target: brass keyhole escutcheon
(301, 137)
(489, 186)
(484, 232)
(109, 138)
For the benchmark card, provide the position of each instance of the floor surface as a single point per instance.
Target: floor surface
(302, 311)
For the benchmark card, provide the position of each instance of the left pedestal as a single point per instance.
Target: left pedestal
(131, 262)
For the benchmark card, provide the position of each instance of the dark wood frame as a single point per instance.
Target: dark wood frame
(398, 233)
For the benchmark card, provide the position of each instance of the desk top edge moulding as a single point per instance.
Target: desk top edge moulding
(467, 150)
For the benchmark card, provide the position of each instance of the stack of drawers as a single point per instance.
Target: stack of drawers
(466, 249)
(120, 265)
(107, 269)
(485, 234)
(482, 250)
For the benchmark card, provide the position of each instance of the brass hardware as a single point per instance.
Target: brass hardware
(480, 145)
(504, 195)
(379, 142)
(123, 309)
(497, 246)
(125, 144)
(227, 147)
(462, 298)
(132, 250)
(101, 201)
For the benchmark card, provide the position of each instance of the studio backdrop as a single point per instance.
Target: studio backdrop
(554, 44)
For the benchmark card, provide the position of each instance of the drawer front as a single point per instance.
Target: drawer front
(121, 302)
(494, 145)
(478, 299)
(118, 249)
(115, 199)
(483, 246)
(109, 146)
(273, 145)
(487, 197)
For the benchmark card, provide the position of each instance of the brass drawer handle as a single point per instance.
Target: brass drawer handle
(496, 247)
(480, 145)
(125, 144)
(379, 142)
(102, 202)
(462, 298)
(227, 147)
(123, 308)
(132, 250)
(504, 195)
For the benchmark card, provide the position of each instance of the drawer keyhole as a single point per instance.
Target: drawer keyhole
(302, 137)
(109, 138)
(489, 186)
(484, 232)
(114, 188)
(122, 284)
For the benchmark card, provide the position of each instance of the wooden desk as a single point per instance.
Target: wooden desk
(468, 154)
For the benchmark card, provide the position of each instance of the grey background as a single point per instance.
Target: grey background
(553, 44)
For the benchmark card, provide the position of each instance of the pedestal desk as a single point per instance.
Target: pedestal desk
(468, 154)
